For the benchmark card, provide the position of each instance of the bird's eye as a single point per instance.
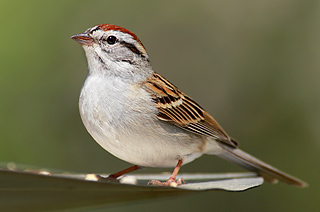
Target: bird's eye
(111, 40)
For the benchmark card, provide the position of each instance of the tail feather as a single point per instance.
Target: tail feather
(268, 172)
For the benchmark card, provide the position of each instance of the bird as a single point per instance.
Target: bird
(138, 116)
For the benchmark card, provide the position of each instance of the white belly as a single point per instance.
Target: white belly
(130, 132)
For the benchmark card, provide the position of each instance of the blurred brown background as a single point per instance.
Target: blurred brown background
(254, 65)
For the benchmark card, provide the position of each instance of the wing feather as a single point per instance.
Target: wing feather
(177, 108)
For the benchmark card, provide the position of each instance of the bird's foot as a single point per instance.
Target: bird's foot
(171, 182)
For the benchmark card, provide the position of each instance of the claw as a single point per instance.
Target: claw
(181, 181)
(172, 180)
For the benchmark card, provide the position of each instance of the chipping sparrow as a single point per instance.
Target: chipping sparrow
(140, 117)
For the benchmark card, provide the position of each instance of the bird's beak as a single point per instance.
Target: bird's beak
(83, 38)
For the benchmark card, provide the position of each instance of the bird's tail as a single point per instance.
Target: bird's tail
(268, 172)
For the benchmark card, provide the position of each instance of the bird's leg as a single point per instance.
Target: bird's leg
(114, 177)
(125, 171)
(172, 178)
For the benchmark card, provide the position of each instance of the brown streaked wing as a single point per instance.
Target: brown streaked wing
(177, 108)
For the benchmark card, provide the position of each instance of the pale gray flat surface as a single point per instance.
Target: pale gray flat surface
(30, 191)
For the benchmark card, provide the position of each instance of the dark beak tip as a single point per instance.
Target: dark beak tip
(83, 39)
(73, 37)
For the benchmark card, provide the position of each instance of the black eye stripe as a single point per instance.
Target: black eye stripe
(132, 47)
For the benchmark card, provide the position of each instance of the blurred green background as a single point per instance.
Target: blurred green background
(254, 65)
